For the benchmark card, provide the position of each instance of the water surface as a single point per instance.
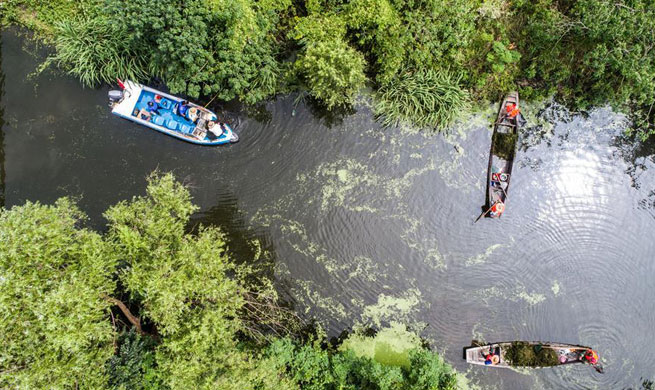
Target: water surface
(371, 225)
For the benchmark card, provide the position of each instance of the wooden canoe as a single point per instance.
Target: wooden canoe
(531, 354)
(501, 158)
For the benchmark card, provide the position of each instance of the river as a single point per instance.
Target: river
(372, 225)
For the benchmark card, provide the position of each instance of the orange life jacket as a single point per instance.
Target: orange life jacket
(512, 110)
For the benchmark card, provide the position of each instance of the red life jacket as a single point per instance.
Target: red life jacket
(591, 356)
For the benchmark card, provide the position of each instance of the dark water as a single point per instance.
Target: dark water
(375, 225)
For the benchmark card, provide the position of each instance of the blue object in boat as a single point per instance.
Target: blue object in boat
(166, 103)
(158, 120)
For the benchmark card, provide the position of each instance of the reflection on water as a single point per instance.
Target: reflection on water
(370, 225)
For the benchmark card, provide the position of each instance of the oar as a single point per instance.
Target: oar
(483, 214)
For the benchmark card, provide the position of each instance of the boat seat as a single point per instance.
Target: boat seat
(158, 120)
(199, 133)
(171, 124)
(186, 128)
(167, 104)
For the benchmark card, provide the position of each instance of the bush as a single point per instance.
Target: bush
(358, 364)
(334, 72)
(133, 365)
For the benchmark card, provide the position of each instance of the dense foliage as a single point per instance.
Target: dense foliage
(392, 359)
(424, 57)
(148, 305)
(53, 320)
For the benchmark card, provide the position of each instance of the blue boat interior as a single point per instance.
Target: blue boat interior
(167, 116)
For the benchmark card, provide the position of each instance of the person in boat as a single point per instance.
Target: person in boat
(491, 358)
(192, 114)
(214, 128)
(153, 107)
(511, 110)
(590, 356)
(183, 108)
(497, 209)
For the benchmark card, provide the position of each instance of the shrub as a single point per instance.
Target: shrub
(133, 365)
(334, 72)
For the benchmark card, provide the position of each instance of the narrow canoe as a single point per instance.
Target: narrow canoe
(132, 102)
(532, 354)
(501, 158)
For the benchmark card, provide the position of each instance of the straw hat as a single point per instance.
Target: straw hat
(495, 359)
(193, 111)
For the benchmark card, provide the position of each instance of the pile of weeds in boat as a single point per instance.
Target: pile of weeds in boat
(528, 355)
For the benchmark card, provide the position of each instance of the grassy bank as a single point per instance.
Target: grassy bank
(427, 60)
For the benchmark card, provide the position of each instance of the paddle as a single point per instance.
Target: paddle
(483, 214)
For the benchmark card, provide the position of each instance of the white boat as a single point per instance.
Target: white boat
(202, 127)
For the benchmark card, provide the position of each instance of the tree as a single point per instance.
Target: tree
(54, 324)
(59, 280)
(182, 285)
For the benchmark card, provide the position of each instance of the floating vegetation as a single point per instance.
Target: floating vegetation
(555, 288)
(310, 298)
(389, 309)
(482, 257)
(517, 294)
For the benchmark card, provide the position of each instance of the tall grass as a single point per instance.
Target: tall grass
(95, 51)
(425, 98)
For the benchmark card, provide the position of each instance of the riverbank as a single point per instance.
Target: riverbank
(426, 61)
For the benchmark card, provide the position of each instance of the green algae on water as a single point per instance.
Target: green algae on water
(482, 257)
(389, 308)
(555, 288)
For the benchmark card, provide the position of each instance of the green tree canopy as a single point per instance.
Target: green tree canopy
(58, 280)
(54, 323)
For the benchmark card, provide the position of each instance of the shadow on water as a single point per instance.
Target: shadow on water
(245, 245)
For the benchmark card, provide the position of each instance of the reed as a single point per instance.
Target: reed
(95, 51)
(425, 98)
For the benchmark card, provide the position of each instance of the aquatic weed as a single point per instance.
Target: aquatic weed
(427, 98)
